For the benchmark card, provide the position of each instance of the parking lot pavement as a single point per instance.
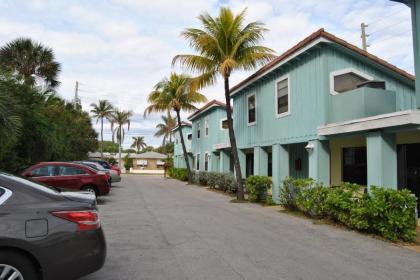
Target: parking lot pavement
(162, 229)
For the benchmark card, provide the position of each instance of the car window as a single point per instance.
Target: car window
(43, 171)
(70, 171)
(92, 166)
(31, 184)
(1, 192)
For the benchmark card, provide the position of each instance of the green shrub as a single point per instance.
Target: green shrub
(392, 213)
(269, 200)
(202, 178)
(387, 212)
(178, 173)
(212, 178)
(257, 187)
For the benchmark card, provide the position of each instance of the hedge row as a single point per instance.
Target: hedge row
(216, 180)
(178, 173)
(383, 211)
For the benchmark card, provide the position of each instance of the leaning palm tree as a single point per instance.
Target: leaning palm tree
(138, 143)
(165, 128)
(102, 110)
(118, 120)
(178, 94)
(225, 44)
(30, 61)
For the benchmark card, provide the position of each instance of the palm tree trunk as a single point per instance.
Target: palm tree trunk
(233, 147)
(119, 149)
(102, 138)
(184, 149)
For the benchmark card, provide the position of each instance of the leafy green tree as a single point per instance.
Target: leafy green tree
(165, 128)
(118, 120)
(31, 61)
(176, 93)
(138, 143)
(225, 44)
(109, 146)
(128, 162)
(101, 111)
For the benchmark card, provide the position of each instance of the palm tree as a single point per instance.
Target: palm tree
(118, 120)
(175, 93)
(30, 60)
(225, 44)
(165, 128)
(10, 121)
(102, 110)
(138, 143)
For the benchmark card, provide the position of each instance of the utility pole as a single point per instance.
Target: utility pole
(76, 95)
(364, 36)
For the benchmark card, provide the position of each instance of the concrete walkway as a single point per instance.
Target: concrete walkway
(162, 229)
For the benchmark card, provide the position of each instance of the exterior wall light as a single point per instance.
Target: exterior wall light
(309, 147)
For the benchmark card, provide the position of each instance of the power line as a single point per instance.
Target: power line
(389, 26)
(387, 16)
(390, 37)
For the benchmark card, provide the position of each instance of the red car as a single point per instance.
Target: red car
(69, 176)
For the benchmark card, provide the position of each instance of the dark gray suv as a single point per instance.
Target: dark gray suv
(46, 234)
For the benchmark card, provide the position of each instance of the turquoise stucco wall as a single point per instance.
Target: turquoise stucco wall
(216, 135)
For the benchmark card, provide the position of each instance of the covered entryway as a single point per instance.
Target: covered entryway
(409, 169)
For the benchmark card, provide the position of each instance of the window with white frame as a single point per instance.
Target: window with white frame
(142, 162)
(347, 79)
(206, 162)
(282, 96)
(198, 130)
(197, 162)
(160, 162)
(251, 105)
(224, 124)
(206, 126)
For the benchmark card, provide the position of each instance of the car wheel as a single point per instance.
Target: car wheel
(16, 266)
(91, 189)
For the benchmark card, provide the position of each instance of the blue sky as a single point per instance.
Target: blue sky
(118, 49)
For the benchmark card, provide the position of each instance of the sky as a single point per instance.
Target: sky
(119, 49)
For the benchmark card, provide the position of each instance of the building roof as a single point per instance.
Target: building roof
(182, 124)
(149, 155)
(209, 105)
(319, 36)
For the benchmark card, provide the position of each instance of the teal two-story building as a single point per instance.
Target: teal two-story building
(324, 109)
(178, 157)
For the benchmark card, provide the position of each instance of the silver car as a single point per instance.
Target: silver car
(115, 178)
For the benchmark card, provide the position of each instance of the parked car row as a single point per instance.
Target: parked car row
(47, 233)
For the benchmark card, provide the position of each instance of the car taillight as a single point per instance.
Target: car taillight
(86, 220)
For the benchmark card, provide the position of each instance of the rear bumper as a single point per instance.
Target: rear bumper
(116, 179)
(88, 255)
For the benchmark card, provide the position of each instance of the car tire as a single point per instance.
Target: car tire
(91, 189)
(19, 263)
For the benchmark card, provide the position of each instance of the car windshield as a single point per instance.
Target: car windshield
(31, 184)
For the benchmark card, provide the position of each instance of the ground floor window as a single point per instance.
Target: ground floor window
(206, 162)
(355, 165)
(197, 162)
(249, 165)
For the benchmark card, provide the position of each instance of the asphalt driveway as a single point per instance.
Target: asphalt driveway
(162, 229)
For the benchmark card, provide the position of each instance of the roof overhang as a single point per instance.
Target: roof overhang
(205, 108)
(395, 119)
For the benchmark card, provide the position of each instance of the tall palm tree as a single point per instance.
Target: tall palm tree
(10, 121)
(165, 128)
(118, 120)
(175, 93)
(102, 110)
(138, 143)
(30, 60)
(225, 44)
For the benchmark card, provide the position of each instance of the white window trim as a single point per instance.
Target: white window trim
(198, 128)
(247, 109)
(344, 71)
(206, 127)
(282, 78)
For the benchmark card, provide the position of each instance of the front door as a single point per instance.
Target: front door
(409, 169)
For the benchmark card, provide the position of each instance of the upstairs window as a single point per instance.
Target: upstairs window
(198, 130)
(282, 97)
(224, 124)
(206, 126)
(251, 104)
(347, 79)
(189, 136)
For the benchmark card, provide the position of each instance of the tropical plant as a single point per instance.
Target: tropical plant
(165, 128)
(225, 44)
(10, 122)
(119, 119)
(175, 93)
(138, 143)
(29, 61)
(101, 111)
